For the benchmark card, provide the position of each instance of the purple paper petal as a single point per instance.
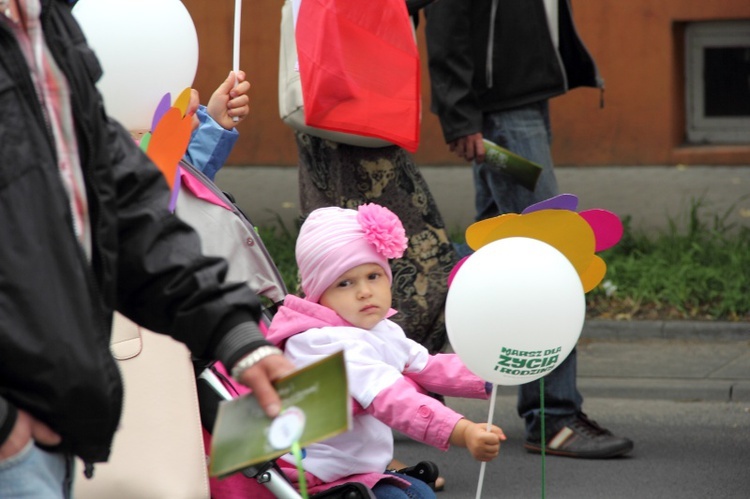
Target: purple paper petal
(559, 202)
(164, 104)
(175, 190)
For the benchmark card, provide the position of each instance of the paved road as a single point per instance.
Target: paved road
(680, 390)
(683, 449)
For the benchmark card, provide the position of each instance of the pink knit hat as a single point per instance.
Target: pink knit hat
(334, 240)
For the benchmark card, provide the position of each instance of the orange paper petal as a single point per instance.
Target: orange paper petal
(169, 142)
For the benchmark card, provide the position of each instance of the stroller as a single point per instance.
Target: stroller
(226, 231)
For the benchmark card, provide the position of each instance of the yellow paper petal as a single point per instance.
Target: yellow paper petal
(593, 275)
(565, 230)
(182, 101)
(483, 232)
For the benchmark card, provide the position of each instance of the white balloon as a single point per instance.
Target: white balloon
(515, 310)
(147, 48)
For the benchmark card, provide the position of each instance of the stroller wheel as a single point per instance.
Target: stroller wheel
(427, 471)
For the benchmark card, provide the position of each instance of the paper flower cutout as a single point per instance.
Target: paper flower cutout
(554, 221)
(169, 137)
(383, 230)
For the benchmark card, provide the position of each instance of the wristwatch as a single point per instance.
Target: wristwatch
(253, 358)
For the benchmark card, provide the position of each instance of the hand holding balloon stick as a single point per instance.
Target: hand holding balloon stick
(516, 307)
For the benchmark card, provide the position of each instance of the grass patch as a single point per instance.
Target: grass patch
(279, 241)
(701, 271)
(698, 269)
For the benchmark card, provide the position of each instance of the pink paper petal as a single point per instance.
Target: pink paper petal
(455, 269)
(559, 202)
(606, 225)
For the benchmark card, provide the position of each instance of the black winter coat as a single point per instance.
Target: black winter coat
(490, 55)
(56, 307)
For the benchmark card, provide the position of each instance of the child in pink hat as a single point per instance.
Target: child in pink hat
(342, 256)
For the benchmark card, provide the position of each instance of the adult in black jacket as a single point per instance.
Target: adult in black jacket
(86, 230)
(493, 66)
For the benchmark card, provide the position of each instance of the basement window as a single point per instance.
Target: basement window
(718, 82)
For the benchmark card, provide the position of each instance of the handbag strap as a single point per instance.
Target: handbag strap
(125, 342)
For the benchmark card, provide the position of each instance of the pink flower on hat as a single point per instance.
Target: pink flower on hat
(334, 240)
(383, 230)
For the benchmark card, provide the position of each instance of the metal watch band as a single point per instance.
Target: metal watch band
(253, 358)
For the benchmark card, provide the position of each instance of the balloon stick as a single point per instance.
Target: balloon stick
(236, 54)
(493, 396)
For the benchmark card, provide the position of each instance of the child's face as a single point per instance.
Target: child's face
(362, 296)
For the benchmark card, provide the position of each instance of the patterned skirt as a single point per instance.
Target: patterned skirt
(333, 174)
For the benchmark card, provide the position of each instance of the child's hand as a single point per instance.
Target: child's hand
(229, 104)
(484, 445)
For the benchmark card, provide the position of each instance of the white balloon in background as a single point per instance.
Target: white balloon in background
(147, 48)
(515, 310)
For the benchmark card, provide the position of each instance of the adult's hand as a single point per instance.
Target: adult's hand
(469, 147)
(27, 428)
(230, 104)
(259, 378)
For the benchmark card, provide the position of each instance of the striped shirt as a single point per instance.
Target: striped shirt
(54, 95)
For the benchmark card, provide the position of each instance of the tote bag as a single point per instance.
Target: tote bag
(348, 103)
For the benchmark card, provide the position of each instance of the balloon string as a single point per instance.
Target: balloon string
(236, 51)
(493, 397)
(297, 453)
(236, 44)
(544, 433)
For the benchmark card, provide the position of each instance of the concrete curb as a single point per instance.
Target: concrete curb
(648, 338)
(680, 390)
(638, 330)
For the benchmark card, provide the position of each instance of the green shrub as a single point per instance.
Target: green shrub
(699, 272)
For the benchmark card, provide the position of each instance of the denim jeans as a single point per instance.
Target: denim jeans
(526, 131)
(417, 490)
(36, 473)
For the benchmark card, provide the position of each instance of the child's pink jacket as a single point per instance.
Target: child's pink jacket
(388, 376)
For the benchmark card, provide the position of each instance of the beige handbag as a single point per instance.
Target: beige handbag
(158, 449)
(291, 106)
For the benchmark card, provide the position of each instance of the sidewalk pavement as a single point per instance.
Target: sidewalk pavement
(650, 196)
(675, 360)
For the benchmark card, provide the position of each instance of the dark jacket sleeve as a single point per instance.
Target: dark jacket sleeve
(165, 283)
(161, 279)
(8, 414)
(452, 70)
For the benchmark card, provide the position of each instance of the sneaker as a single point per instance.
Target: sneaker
(583, 438)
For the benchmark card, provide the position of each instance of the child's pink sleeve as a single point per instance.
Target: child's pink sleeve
(447, 375)
(406, 409)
